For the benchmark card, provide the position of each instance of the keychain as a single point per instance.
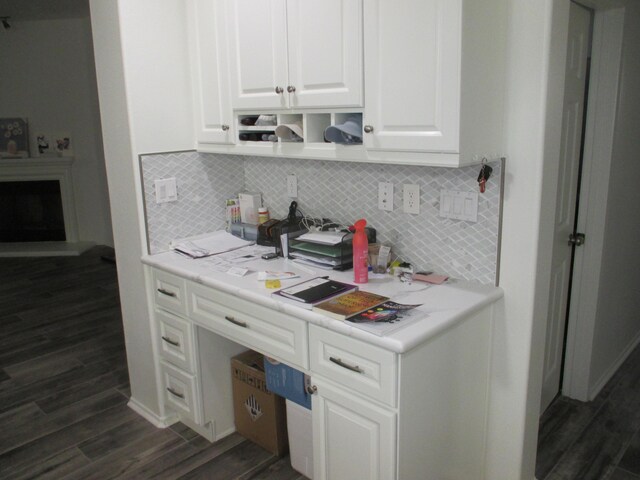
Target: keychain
(485, 173)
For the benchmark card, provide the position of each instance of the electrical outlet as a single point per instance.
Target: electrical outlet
(292, 186)
(385, 196)
(411, 198)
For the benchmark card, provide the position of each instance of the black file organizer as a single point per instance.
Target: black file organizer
(345, 248)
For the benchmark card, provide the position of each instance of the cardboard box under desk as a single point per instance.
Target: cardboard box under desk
(260, 415)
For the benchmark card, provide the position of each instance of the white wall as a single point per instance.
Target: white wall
(532, 113)
(141, 60)
(48, 76)
(617, 326)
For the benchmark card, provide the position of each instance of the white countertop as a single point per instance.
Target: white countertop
(445, 304)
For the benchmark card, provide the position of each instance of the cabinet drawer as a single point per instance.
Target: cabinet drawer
(268, 331)
(181, 392)
(176, 340)
(169, 292)
(357, 365)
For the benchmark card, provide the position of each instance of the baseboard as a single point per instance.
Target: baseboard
(150, 416)
(595, 390)
(44, 249)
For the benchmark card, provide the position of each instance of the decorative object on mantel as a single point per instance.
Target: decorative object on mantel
(63, 144)
(54, 144)
(14, 138)
(45, 145)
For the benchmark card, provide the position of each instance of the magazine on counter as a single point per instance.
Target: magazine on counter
(387, 317)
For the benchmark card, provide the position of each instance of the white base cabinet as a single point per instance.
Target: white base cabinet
(352, 437)
(376, 414)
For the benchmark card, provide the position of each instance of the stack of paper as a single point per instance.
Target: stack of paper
(208, 244)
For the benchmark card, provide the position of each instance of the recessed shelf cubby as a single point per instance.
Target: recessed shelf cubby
(311, 125)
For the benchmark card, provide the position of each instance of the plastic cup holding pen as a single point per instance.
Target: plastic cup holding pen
(379, 257)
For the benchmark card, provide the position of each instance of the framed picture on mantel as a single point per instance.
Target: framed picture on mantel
(14, 138)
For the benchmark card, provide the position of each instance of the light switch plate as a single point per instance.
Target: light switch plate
(459, 205)
(292, 186)
(385, 196)
(166, 190)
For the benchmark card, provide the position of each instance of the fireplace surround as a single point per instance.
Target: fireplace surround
(45, 169)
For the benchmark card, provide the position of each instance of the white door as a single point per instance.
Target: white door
(325, 53)
(352, 438)
(412, 66)
(214, 118)
(258, 53)
(568, 178)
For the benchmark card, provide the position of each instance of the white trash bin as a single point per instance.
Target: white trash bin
(299, 426)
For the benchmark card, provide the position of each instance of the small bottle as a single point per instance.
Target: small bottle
(360, 253)
(263, 214)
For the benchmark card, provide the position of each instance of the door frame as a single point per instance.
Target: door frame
(598, 144)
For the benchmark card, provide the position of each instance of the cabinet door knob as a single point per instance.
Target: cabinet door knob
(368, 129)
(311, 389)
(291, 89)
(225, 128)
(279, 90)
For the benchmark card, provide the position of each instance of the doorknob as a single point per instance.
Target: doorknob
(576, 239)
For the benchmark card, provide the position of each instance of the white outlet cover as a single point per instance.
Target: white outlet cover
(385, 196)
(411, 198)
(459, 205)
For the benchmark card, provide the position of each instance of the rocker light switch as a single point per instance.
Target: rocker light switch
(166, 190)
(459, 205)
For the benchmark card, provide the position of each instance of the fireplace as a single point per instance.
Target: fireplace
(36, 202)
(31, 211)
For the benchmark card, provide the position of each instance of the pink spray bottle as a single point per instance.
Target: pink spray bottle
(360, 253)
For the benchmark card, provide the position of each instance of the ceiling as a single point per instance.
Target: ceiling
(26, 10)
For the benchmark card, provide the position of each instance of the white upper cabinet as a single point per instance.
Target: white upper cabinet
(295, 53)
(413, 74)
(434, 77)
(214, 117)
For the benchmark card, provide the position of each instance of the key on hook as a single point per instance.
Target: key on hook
(485, 173)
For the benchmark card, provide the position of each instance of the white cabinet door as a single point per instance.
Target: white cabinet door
(352, 438)
(412, 70)
(325, 53)
(258, 53)
(294, 53)
(213, 115)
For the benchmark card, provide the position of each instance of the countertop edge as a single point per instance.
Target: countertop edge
(401, 341)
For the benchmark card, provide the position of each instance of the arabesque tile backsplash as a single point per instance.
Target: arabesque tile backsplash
(341, 191)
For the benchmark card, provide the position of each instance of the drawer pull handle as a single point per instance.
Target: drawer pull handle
(166, 292)
(235, 322)
(353, 368)
(173, 392)
(171, 342)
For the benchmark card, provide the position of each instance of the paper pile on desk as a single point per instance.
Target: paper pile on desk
(208, 244)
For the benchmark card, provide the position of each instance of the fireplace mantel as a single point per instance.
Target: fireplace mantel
(46, 168)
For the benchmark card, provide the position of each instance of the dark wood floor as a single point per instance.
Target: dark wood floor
(598, 439)
(64, 388)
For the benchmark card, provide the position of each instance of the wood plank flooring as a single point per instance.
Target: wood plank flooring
(64, 387)
(598, 439)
